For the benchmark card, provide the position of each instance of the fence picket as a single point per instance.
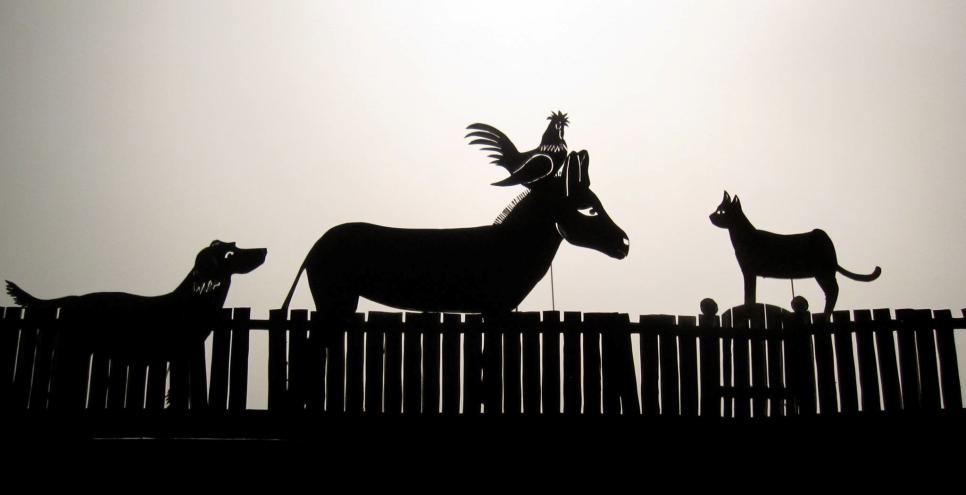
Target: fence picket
(888, 368)
(868, 370)
(845, 362)
(710, 343)
(948, 362)
(551, 363)
(451, 364)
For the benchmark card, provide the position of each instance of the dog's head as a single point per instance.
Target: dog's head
(221, 260)
(727, 212)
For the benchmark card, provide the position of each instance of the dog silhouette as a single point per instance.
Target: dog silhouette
(134, 327)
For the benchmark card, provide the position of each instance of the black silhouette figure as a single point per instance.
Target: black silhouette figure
(487, 269)
(530, 166)
(136, 327)
(765, 254)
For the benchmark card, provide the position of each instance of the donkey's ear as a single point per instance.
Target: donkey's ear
(576, 171)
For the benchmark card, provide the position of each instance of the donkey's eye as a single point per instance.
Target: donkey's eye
(229, 254)
(589, 211)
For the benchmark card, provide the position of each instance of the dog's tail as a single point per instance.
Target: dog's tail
(21, 297)
(861, 278)
(291, 292)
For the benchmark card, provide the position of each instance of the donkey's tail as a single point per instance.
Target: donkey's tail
(291, 292)
(861, 278)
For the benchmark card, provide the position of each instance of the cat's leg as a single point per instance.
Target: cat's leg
(750, 280)
(831, 288)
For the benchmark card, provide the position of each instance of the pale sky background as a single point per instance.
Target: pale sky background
(134, 133)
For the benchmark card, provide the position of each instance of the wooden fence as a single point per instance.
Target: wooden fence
(745, 363)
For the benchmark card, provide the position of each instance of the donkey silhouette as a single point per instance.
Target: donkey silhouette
(488, 269)
(765, 254)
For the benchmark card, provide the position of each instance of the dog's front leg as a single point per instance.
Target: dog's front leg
(750, 280)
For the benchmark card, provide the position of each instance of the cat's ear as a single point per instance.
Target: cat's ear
(727, 198)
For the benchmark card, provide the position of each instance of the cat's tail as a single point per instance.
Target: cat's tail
(861, 278)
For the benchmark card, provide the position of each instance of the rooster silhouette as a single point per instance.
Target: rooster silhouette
(530, 166)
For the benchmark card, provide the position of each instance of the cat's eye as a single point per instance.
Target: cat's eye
(589, 211)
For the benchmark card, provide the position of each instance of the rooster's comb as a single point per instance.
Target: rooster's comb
(559, 117)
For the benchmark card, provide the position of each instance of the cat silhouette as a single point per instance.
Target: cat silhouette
(770, 255)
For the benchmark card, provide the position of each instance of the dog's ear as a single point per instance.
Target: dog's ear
(727, 197)
(206, 263)
(737, 202)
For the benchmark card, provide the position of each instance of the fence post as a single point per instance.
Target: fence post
(592, 371)
(531, 362)
(39, 320)
(277, 359)
(776, 372)
(451, 363)
(220, 360)
(431, 364)
(800, 364)
(928, 367)
(412, 364)
(649, 326)
(621, 351)
(9, 337)
(375, 353)
(610, 366)
(868, 370)
(100, 373)
(742, 360)
(825, 364)
(473, 366)
(492, 366)
(315, 381)
(948, 362)
(759, 362)
(137, 373)
(908, 360)
(688, 350)
(888, 368)
(571, 349)
(845, 362)
(727, 364)
(298, 358)
(354, 364)
(394, 360)
(238, 368)
(710, 343)
(197, 375)
(71, 366)
(512, 331)
(551, 363)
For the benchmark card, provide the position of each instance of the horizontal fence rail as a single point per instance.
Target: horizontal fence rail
(748, 362)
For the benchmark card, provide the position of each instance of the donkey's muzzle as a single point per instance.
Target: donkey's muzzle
(620, 251)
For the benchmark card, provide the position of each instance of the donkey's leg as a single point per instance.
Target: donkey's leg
(831, 288)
